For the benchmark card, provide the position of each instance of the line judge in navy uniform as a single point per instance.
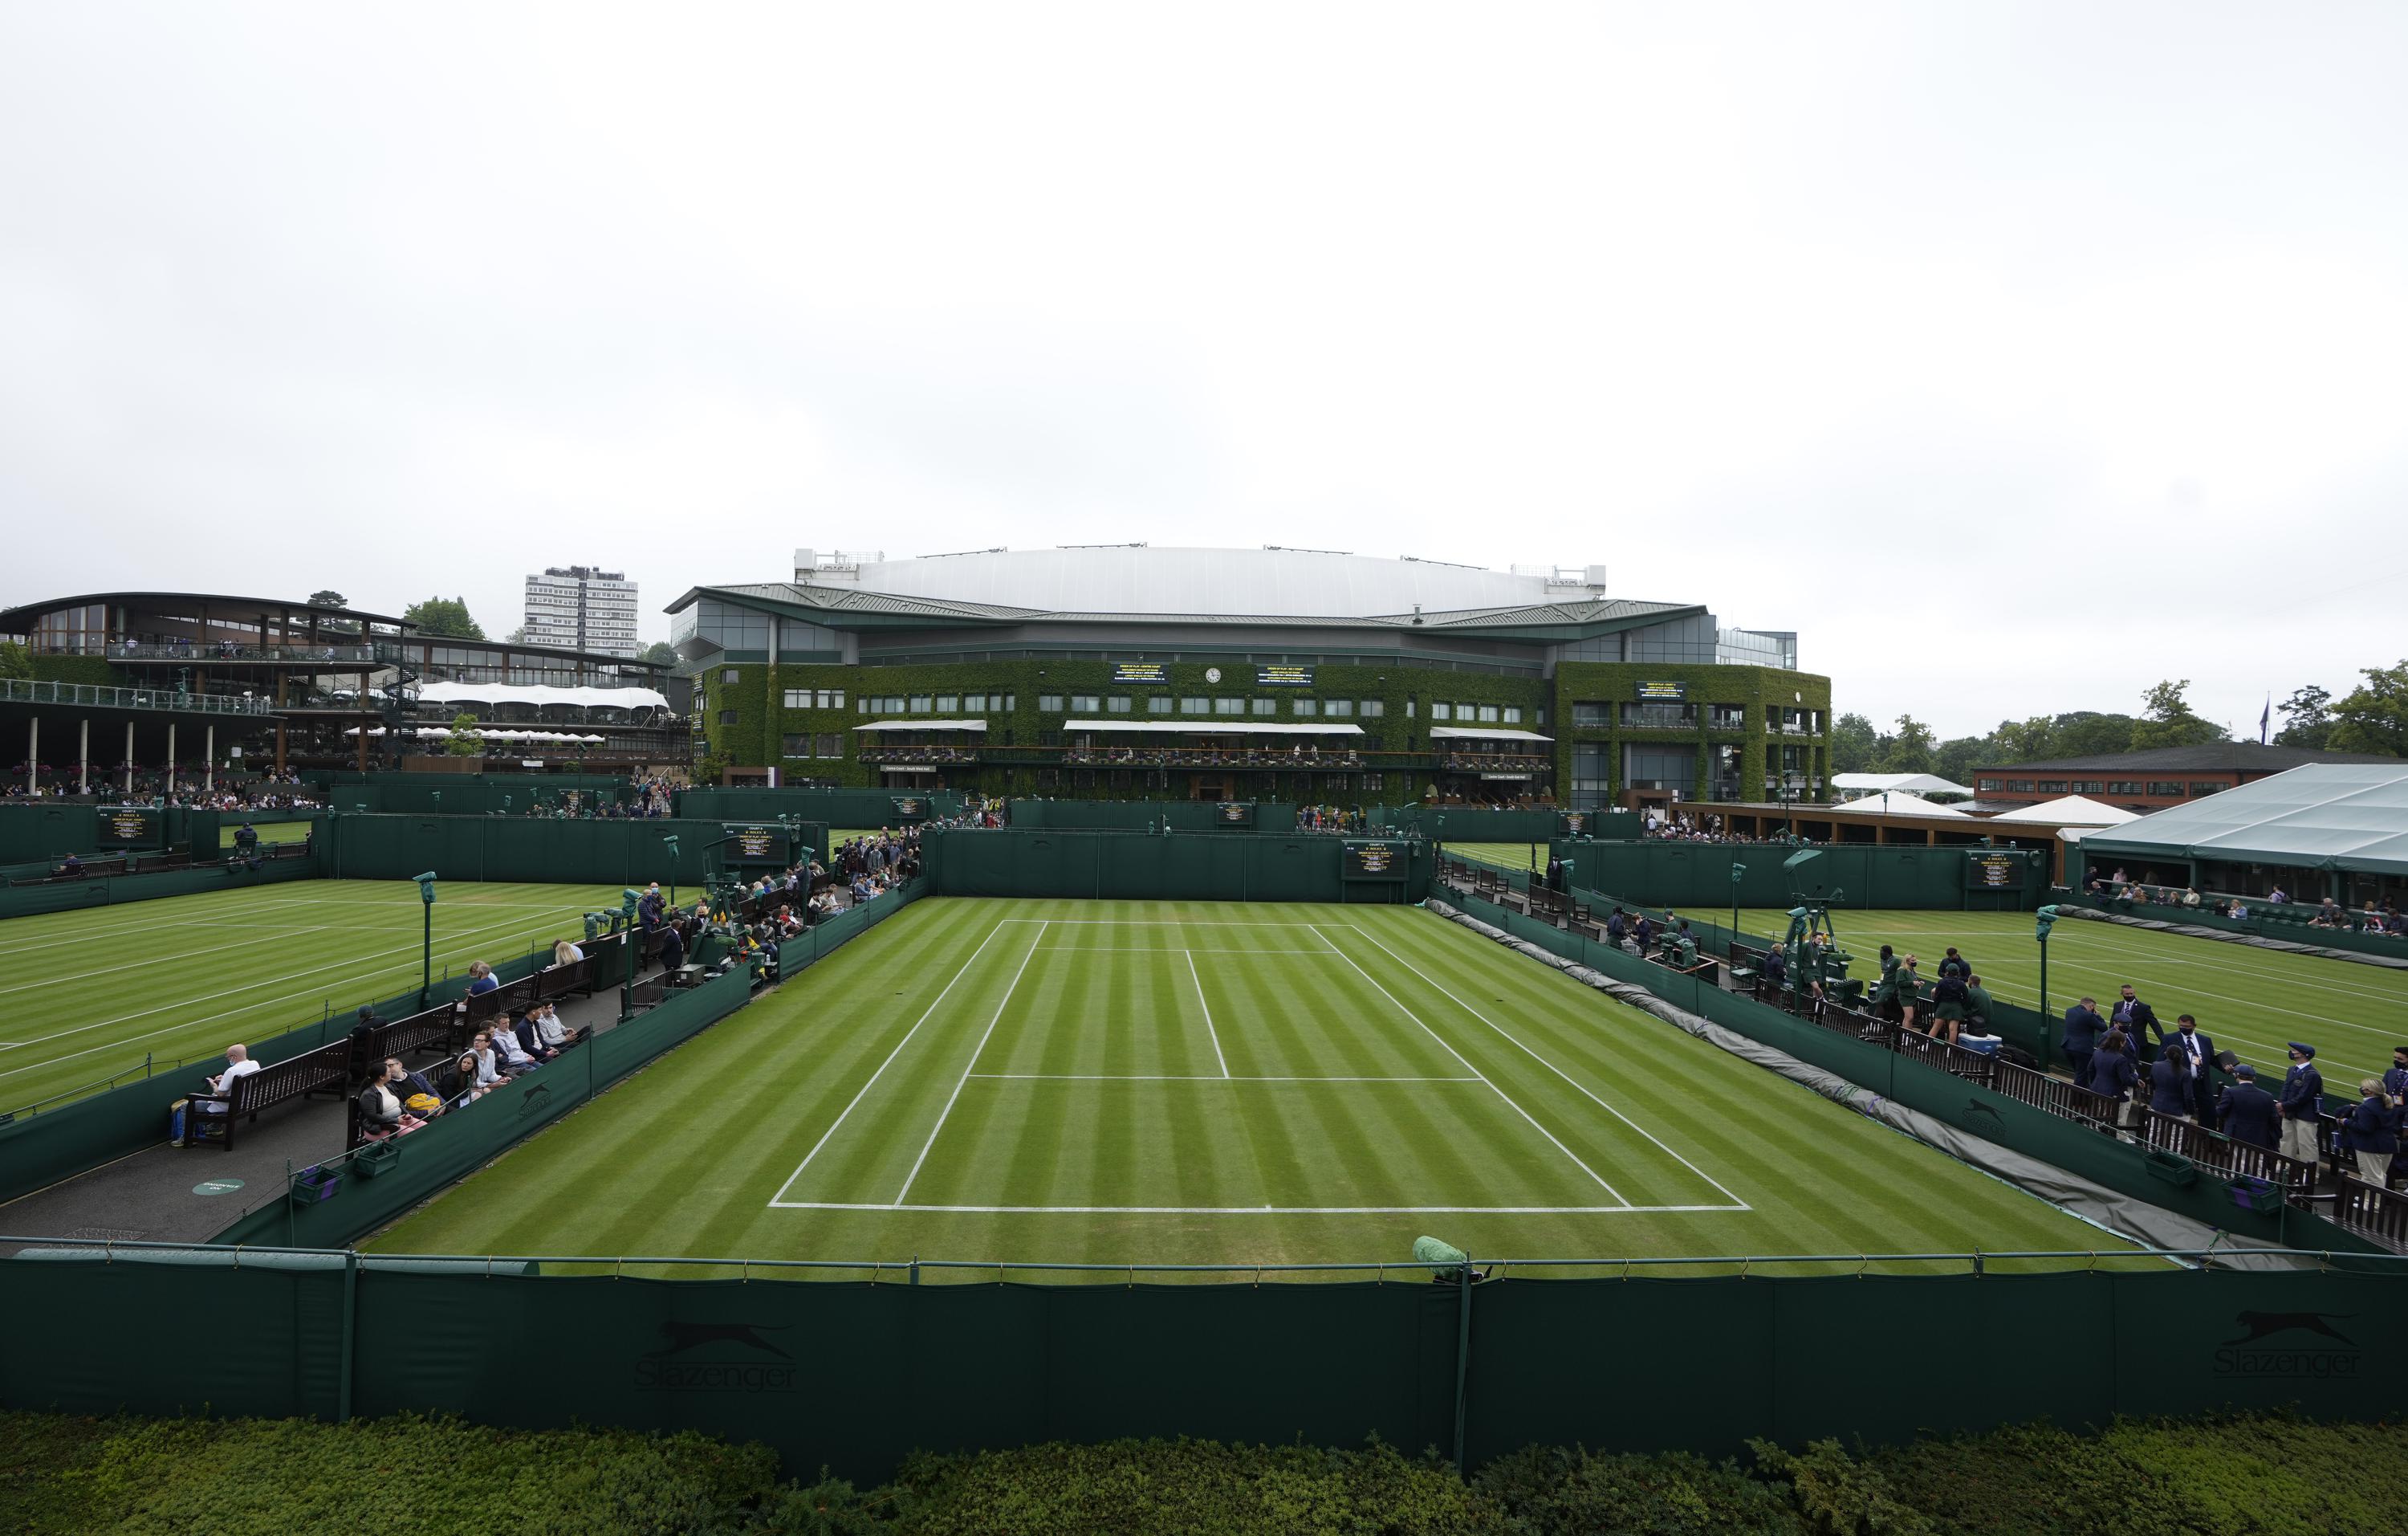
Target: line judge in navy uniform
(2248, 1112)
(2302, 1096)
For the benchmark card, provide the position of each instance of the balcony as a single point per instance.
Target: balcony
(201, 652)
(918, 754)
(1518, 764)
(93, 696)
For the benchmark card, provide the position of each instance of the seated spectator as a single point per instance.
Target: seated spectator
(566, 953)
(2190, 897)
(381, 1113)
(238, 1065)
(509, 1056)
(491, 1072)
(2278, 897)
(480, 978)
(529, 1039)
(549, 1029)
(462, 1083)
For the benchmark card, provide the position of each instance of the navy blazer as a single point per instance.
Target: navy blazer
(2112, 1075)
(2083, 1027)
(2371, 1125)
(2169, 1087)
(2303, 1087)
(2249, 1115)
(2134, 1016)
(2206, 1049)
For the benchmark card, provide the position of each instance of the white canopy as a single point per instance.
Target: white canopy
(1227, 725)
(2069, 810)
(1483, 733)
(1904, 805)
(1912, 783)
(425, 732)
(924, 725)
(537, 693)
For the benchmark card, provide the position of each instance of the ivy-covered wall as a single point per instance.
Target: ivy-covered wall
(94, 671)
(762, 722)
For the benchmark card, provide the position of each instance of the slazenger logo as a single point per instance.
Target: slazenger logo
(1974, 1106)
(716, 1357)
(534, 1098)
(2264, 1348)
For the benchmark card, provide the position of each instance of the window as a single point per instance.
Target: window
(919, 703)
(798, 699)
(949, 704)
(1441, 711)
(1266, 705)
(1588, 714)
(1340, 709)
(865, 704)
(1660, 716)
(2170, 787)
(1010, 702)
(831, 746)
(1085, 704)
(2200, 787)
(1409, 709)
(1117, 704)
(1157, 703)
(1373, 708)
(1048, 703)
(2051, 787)
(1488, 714)
(727, 717)
(1988, 785)
(1726, 717)
(1228, 705)
(2123, 786)
(1195, 706)
(795, 746)
(2021, 786)
(2089, 786)
(974, 703)
(729, 674)
(1513, 714)
(831, 699)
(1374, 783)
(1305, 707)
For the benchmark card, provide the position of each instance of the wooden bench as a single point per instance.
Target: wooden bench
(324, 1071)
(427, 1031)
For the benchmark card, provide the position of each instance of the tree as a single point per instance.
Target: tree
(517, 636)
(2086, 733)
(1910, 750)
(328, 597)
(660, 653)
(2170, 722)
(465, 740)
(2032, 741)
(15, 660)
(2307, 719)
(2374, 716)
(445, 616)
(1853, 744)
(1955, 760)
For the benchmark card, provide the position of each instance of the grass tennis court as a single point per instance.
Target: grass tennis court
(86, 994)
(1205, 1083)
(2251, 1001)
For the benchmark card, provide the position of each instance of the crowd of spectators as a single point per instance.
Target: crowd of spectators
(227, 791)
(2384, 918)
(1296, 755)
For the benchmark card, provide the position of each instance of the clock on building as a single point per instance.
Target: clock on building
(1211, 674)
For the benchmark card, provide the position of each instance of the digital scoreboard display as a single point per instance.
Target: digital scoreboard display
(1283, 677)
(757, 844)
(909, 809)
(1663, 692)
(1233, 814)
(1365, 860)
(1995, 872)
(128, 826)
(1141, 671)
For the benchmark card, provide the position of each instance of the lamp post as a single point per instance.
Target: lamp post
(1739, 872)
(426, 939)
(2043, 920)
(670, 841)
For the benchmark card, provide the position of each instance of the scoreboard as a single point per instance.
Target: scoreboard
(1234, 813)
(1141, 671)
(1663, 692)
(909, 809)
(128, 826)
(1995, 872)
(1367, 859)
(1283, 677)
(758, 844)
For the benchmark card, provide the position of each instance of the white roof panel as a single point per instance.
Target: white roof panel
(1224, 726)
(924, 725)
(1482, 733)
(2070, 810)
(537, 693)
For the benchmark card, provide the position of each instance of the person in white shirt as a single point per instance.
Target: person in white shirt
(489, 1072)
(509, 1054)
(238, 1065)
(548, 1028)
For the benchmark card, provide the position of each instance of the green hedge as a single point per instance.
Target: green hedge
(2256, 1473)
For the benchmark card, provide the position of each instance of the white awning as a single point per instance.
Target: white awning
(537, 693)
(1482, 733)
(2069, 810)
(1223, 726)
(924, 725)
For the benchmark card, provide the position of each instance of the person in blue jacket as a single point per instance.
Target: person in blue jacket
(2169, 1087)
(2372, 1130)
(2248, 1111)
(2112, 1075)
(2083, 1027)
(2301, 1098)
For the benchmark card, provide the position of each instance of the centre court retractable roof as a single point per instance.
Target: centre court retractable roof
(2322, 816)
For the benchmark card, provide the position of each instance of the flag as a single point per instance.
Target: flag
(2265, 721)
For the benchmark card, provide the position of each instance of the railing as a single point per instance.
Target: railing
(1474, 761)
(2231, 1158)
(2057, 1096)
(198, 651)
(2372, 1212)
(918, 754)
(96, 696)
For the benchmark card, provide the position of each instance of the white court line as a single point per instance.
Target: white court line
(1265, 1210)
(1207, 1077)
(1208, 1014)
(780, 1197)
(1476, 1071)
(1545, 1062)
(269, 1002)
(950, 1098)
(1141, 923)
(163, 960)
(1165, 949)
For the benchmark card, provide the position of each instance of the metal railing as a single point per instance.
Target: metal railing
(97, 695)
(2373, 1211)
(2212, 1150)
(199, 652)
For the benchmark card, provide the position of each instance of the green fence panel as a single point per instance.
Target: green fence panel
(1861, 876)
(520, 848)
(1147, 815)
(843, 808)
(1150, 867)
(111, 890)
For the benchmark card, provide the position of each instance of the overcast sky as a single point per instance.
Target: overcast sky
(2017, 356)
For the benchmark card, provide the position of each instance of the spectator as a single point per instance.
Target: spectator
(480, 978)
(672, 948)
(2372, 1130)
(2080, 1042)
(491, 1073)
(2248, 1111)
(2303, 1089)
(547, 1027)
(527, 1040)
(381, 1113)
(461, 1082)
(510, 1056)
(2277, 897)
(2112, 1075)
(2190, 897)
(2192, 1052)
(218, 1099)
(566, 953)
